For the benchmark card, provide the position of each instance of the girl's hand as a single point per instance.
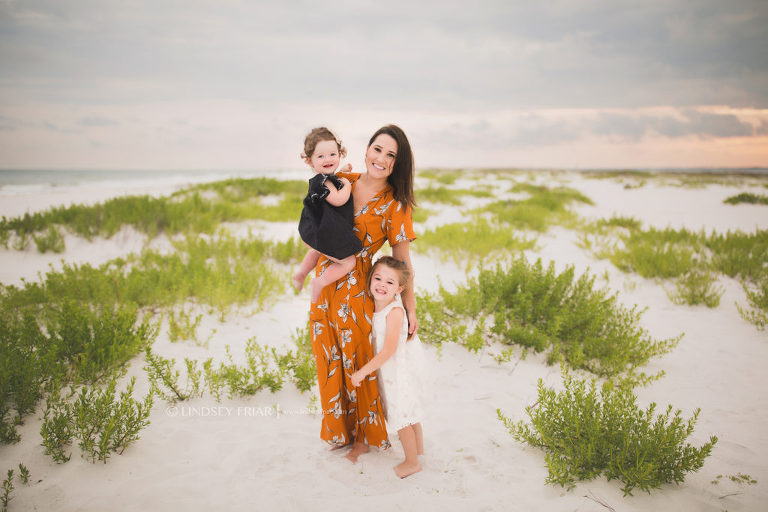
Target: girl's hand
(413, 325)
(348, 168)
(357, 378)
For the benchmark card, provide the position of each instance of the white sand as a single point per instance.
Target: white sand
(240, 454)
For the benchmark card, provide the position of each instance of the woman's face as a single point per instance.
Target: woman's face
(380, 156)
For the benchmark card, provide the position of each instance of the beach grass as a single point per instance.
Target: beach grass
(81, 324)
(545, 206)
(747, 198)
(493, 230)
(693, 259)
(442, 176)
(535, 307)
(586, 433)
(469, 243)
(197, 209)
(449, 196)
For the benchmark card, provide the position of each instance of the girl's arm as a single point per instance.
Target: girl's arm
(339, 197)
(394, 322)
(402, 252)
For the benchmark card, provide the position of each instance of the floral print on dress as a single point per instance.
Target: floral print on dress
(341, 329)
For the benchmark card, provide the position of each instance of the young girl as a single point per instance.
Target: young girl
(328, 217)
(399, 361)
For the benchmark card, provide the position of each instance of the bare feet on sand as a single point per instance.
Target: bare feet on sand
(404, 469)
(357, 450)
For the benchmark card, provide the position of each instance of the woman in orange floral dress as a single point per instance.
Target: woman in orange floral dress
(340, 321)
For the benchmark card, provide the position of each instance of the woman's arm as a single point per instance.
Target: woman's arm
(402, 252)
(339, 197)
(394, 322)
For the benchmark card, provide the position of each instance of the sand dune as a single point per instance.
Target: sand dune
(264, 453)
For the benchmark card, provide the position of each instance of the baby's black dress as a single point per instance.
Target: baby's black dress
(327, 228)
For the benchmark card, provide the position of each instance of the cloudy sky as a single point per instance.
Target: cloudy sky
(229, 84)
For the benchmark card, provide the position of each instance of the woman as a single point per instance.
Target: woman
(340, 321)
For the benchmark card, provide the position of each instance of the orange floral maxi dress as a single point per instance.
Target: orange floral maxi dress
(340, 327)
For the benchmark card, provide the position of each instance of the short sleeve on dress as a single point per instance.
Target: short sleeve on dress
(400, 226)
(351, 176)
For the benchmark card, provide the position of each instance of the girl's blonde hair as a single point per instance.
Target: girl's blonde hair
(320, 134)
(399, 266)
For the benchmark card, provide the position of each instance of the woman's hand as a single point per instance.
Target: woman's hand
(413, 325)
(357, 378)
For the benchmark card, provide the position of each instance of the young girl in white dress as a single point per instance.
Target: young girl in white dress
(399, 361)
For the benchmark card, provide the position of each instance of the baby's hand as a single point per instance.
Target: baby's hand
(345, 181)
(357, 378)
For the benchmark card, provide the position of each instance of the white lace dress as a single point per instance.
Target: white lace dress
(401, 376)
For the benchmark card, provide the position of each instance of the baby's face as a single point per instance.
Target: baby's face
(325, 159)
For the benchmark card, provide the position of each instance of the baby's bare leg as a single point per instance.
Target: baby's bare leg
(411, 463)
(334, 272)
(306, 266)
(419, 438)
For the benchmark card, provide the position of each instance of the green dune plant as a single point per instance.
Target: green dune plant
(544, 207)
(421, 214)
(585, 433)
(693, 259)
(535, 307)
(45, 344)
(197, 209)
(748, 198)
(264, 368)
(100, 421)
(441, 176)
(493, 229)
(469, 243)
(696, 287)
(449, 196)
(82, 323)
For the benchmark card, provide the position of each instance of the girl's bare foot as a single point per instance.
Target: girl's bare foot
(404, 469)
(357, 450)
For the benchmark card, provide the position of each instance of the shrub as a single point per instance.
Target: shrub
(165, 379)
(469, 243)
(746, 197)
(197, 209)
(697, 287)
(100, 422)
(585, 433)
(757, 297)
(539, 308)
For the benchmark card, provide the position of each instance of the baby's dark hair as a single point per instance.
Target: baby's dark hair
(320, 134)
(393, 263)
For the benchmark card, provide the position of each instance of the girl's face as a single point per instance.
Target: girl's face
(380, 156)
(325, 159)
(385, 283)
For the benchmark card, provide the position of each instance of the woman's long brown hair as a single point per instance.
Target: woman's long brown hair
(401, 179)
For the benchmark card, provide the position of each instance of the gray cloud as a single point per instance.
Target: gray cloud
(692, 123)
(403, 55)
(97, 121)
